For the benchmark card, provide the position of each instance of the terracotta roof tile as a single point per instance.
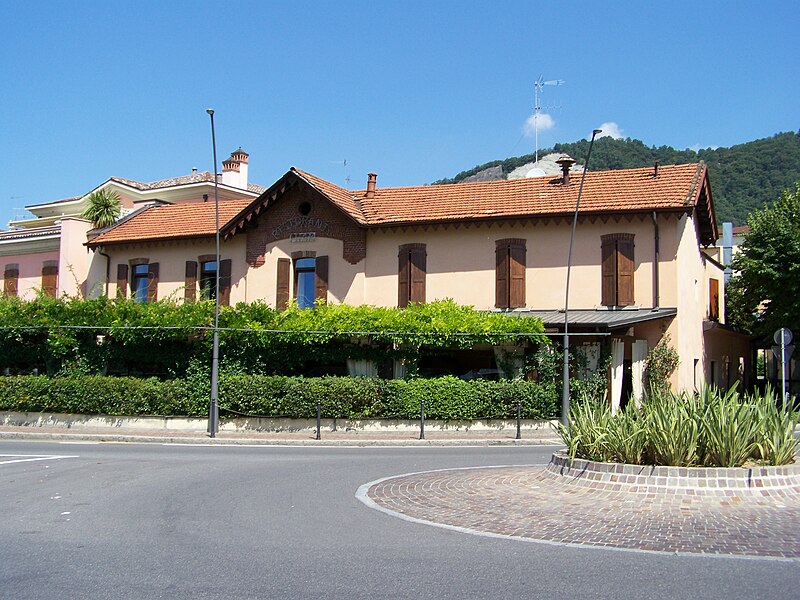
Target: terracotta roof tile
(603, 191)
(344, 199)
(172, 221)
(675, 187)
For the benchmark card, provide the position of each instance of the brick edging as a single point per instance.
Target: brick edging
(690, 481)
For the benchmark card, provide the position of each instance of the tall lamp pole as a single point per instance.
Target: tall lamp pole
(213, 409)
(565, 394)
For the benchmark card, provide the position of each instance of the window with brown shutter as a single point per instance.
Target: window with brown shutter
(713, 299)
(122, 281)
(11, 279)
(190, 281)
(411, 274)
(50, 278)
(617, 268)
(510, 265)
(282, 293)
(321, 280)
(152, 282)
(225, 282)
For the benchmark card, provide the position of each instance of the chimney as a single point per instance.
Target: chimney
(372, 178)
(655, 168)
(234, 170)
(566, 161)
(194, 170)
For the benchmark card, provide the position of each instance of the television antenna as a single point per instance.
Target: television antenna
(538, 85)
(346, 171)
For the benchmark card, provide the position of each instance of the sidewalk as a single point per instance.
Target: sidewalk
(505, 437)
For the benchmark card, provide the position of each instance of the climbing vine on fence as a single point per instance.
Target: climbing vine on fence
(121, 336)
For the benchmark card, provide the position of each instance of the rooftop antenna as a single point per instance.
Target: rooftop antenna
(346, 171)
(537, 108)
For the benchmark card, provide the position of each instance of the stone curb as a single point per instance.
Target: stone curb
(274, 441)
(777, 481)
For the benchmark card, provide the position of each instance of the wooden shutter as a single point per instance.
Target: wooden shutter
(225, 282)
(11, 280)
(321, 280)
(625, 267)
(403, 278)
(282, 293)
(713, 299)
(152, 282)
(417, 270)
(122, 281)
(50, 279)
(190, 281)
(501, 285)
(516, 275)
(609, 272)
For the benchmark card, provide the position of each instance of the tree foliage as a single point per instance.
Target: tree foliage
(104, 208)
(742, 176)
(765, 295)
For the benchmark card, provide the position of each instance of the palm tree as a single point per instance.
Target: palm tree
(103, 209)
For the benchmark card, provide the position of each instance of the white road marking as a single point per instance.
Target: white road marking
(21, 458)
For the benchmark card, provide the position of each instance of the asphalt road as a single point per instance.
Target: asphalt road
(154, 521)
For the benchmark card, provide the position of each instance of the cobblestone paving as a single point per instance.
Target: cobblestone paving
(531, 503)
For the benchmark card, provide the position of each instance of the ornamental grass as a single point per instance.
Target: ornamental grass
(710, 428)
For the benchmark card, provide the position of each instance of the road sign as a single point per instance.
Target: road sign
(783, 336)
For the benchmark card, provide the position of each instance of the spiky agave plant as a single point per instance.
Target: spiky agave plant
(627, 435)
(673, 432)
(729, 427)
(587, 435)
(776, 443)
(104, 208)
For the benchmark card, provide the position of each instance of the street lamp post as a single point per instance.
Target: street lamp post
(565, 394)
(213, 408)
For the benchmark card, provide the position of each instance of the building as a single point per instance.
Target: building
(47, 252)
(640, 271)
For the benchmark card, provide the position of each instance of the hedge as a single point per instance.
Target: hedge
(446, 398)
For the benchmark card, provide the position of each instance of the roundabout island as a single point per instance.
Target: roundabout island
(737, 512)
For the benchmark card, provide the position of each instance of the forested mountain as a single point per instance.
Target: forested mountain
(743, 177)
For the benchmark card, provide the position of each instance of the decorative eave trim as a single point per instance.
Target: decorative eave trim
(253, 210)
(644, 213)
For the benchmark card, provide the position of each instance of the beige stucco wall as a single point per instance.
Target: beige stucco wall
(345, 280)
(247, 284)
(461, 263)
(693, 271)
(171, 259)
(74, 258)
(30, 271)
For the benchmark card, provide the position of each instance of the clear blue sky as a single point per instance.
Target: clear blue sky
(414, 90)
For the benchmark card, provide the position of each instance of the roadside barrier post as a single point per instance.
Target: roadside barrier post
(422, 419)
(319, 414)
(519, 418)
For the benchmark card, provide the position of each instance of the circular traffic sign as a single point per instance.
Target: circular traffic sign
(783, 336)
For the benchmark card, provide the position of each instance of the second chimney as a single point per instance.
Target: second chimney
(371, 179)
(566, 161)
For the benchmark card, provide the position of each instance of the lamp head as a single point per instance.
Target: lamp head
(210, 111)
(594, 133)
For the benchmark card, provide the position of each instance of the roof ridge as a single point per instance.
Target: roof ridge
(693, 189)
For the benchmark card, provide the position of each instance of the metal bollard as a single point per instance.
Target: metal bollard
(422, 419)
(519, 419)
(319, 419)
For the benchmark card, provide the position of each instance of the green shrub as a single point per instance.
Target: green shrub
(339, 397)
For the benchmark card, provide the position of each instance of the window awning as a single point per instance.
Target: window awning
(602, 320)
